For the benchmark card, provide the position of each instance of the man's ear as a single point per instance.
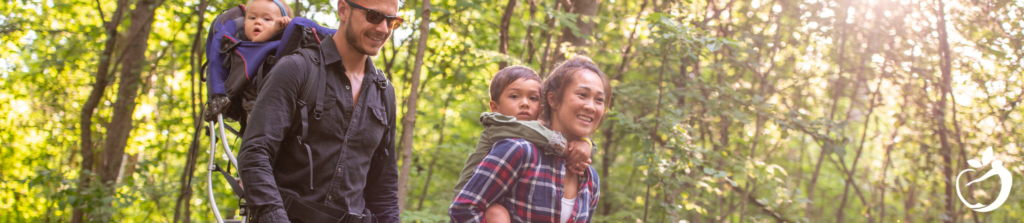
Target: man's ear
(494, 106)
(343, 11)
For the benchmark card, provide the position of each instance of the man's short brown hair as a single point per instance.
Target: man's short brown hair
(506, 76)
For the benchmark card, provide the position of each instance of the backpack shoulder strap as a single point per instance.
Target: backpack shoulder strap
(308, 94)
(314, 88)
(321, 76)
(386, 98)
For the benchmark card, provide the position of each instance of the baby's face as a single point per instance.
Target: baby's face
(260, 16)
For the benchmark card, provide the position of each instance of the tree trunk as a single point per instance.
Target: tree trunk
(185, 194)
(409, 120)
(128, 90)
(724, 120)
(185, 182)
(860, 149)
(587, 10)
(839, 84)
(297, 9)
(503, 33)
(626, 56)
(127, 166)
(940, 115)
(527, 56)
(437, 150)
(911, 202)
(657, 114)
(887, 162)
(544, 59)
(98, 89)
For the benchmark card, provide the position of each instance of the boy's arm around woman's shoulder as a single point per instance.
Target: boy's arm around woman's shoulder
(498, 127)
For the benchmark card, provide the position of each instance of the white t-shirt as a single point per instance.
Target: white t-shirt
(567, 207)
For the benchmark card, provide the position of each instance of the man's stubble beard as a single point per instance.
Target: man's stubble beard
(352, 39)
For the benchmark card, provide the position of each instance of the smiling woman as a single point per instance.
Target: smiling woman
(574, 105)
(574, 97)
(534, 186)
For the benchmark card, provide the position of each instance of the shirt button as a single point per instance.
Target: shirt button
(339, 170)
(346, 87)
(329, 197)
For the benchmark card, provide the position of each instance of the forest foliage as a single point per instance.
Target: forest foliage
(723, 110)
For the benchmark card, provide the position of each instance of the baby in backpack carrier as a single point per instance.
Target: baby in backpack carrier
(264, 18)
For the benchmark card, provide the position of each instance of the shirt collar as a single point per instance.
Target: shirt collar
(331, 55)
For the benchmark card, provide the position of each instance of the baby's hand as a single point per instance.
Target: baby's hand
(280, 24)
(578, 156)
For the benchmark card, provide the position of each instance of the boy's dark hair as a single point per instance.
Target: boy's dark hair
(561, 76)
(506, 76)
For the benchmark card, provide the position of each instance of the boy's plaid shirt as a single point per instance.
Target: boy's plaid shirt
(527, 182)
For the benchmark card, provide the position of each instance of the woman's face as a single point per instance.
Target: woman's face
(582, 106)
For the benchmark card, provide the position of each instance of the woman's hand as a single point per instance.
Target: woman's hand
(577, 156)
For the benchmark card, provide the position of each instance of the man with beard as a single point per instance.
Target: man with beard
(343, 169)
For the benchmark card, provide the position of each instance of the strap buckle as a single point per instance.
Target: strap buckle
(353, 218)
(271, 59)
(309, 153)
(228, 48)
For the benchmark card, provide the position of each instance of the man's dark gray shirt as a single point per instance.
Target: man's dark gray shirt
(352, 145)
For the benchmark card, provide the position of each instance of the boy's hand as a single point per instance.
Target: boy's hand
(577, 156)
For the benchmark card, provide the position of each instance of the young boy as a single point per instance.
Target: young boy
(264, 18)
(515, 106)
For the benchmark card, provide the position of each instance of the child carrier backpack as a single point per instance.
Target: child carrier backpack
(237, 67)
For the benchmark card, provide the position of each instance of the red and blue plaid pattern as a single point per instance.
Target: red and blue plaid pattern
(527, 182)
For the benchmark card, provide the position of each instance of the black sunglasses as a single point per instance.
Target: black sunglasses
(375, 17)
